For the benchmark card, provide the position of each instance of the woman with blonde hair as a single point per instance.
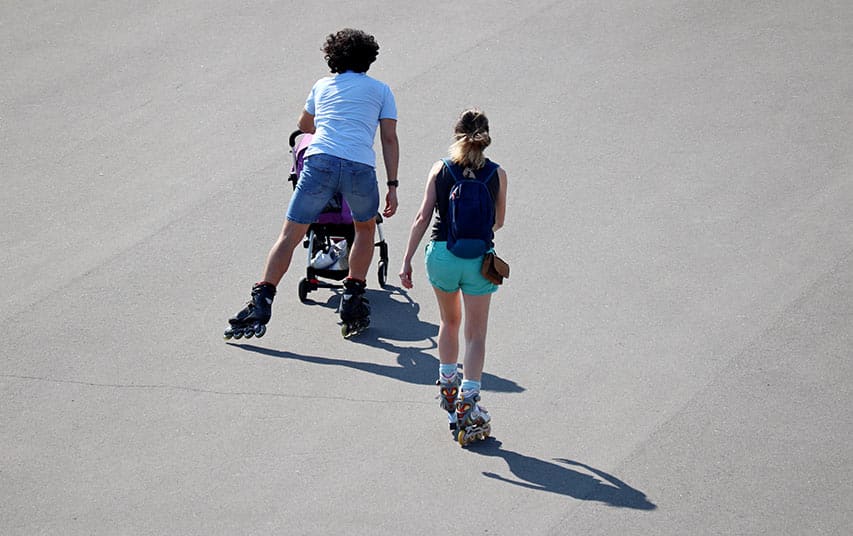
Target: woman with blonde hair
(457, 281)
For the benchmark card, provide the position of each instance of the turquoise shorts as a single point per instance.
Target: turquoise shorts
(450, 273)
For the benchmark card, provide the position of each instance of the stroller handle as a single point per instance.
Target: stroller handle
(295, 134)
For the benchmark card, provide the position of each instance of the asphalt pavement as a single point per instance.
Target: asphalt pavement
(671, 354)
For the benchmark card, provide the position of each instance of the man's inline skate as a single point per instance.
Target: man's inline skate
(251, 321)
(472, 420)
(355, 311)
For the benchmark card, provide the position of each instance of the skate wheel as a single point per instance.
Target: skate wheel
(349, 330)
(228, 334)
(249, 333)
(460, 437)
(238, 334)
(260, 330)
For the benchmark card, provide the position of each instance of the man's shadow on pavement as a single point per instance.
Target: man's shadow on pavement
(394, 321)
(551, 477)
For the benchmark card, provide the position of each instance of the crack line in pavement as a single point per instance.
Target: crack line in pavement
(154, 387)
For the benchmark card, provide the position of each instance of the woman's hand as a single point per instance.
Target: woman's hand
(406, 274)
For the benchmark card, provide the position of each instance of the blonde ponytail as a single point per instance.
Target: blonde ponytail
(472, 138)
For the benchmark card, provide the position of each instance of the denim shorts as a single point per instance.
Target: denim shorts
(450, 273)
(324, 175)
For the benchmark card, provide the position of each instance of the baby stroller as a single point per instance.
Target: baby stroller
(329, 239)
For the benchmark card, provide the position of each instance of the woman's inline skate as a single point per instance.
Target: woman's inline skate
(448, 395)
(251, 320)
(473, 422)
(355, 311)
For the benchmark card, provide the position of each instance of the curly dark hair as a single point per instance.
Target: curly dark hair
(350, 50)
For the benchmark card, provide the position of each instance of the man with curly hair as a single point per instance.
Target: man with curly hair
(342, 112)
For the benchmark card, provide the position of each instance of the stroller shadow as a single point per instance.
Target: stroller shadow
(397, 323)
(556, 478)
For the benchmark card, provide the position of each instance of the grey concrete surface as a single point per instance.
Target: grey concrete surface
(672, 354)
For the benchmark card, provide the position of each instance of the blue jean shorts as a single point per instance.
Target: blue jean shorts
(322, 177)
(450, 273)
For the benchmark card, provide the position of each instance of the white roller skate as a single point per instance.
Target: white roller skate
(472, 420)
(448, 395)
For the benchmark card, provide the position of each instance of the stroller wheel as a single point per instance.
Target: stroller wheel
(304, 289)
(383, 273)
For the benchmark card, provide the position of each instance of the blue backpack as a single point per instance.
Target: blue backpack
(471, 212)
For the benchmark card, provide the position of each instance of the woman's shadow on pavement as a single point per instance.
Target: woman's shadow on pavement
(551, 477)
(395, 322)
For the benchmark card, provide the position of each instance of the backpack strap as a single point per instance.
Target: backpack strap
(450, 165)
(489, 170)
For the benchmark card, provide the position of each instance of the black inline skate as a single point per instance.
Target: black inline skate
(355, 313)
(251, 321)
